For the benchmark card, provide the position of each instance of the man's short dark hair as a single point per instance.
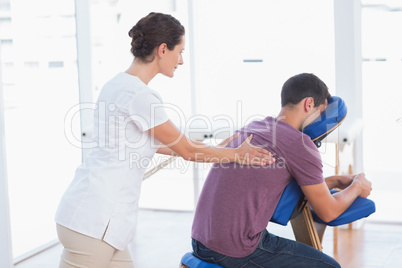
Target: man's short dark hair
(304, 85)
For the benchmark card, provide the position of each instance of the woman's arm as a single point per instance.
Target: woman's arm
(167, 151)
(169, 135)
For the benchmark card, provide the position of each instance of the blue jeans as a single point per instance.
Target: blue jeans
(272, 251)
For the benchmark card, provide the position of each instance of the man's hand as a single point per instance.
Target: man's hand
(363, 184)
(344, 181)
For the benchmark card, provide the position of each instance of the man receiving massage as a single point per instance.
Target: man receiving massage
(237, 201)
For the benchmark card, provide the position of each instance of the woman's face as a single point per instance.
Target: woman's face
(172, 59)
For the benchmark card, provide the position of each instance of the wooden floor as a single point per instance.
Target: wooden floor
(163, 237)
(373, 245)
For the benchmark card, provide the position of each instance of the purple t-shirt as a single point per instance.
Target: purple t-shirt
(237, 201)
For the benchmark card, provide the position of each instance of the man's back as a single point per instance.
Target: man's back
(237, 201)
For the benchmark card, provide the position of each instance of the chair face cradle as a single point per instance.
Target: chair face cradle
(292, 202)
(327, 122)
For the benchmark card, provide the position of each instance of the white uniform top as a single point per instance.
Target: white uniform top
(102, 200)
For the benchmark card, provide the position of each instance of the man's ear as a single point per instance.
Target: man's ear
(161, 50)
(308, 104)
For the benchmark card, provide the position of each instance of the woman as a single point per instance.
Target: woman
(97, 214)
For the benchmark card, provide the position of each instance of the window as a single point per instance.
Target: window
(40, 160)
(382, 93)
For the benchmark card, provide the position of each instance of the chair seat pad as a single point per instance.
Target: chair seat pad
(191, 261)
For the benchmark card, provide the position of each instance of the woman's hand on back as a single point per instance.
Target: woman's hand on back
(248, 154)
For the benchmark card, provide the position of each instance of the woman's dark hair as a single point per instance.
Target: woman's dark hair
(304, 85)
(152, 31)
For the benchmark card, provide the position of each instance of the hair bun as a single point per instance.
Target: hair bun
(139, 45)
(153, 30)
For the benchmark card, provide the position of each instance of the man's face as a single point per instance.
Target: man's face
(315, 113)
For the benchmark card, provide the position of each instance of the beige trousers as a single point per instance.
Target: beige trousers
(81, 251)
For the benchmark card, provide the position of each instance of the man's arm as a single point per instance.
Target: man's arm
(328, 207)
(339, 181)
